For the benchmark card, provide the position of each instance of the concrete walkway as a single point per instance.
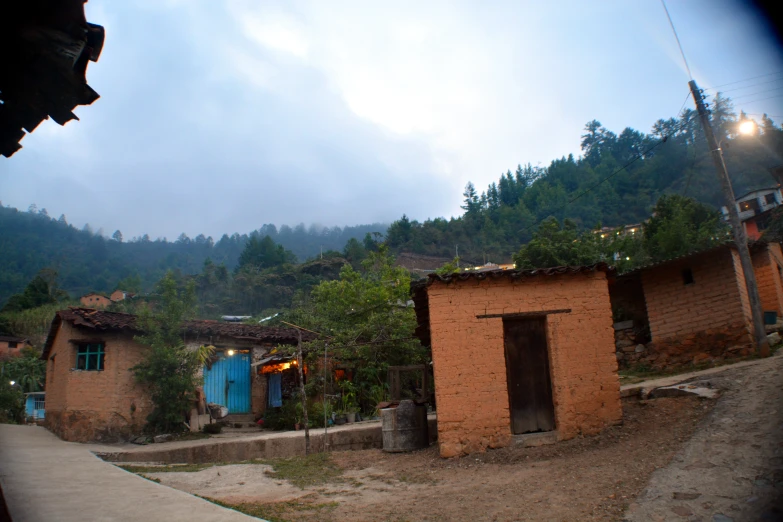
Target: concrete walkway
(44, 478)
(732, 468)
(643, 388)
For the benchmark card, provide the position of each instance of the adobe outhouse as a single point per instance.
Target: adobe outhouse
(696, 306)
(519, 351)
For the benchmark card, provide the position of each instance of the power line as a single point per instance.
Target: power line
(751, 85)
(762, 99)
(755, 93)
(741, 81)
(678, 39)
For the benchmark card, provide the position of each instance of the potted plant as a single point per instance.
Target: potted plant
(348, 400)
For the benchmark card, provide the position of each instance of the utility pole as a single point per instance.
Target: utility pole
(740, 239)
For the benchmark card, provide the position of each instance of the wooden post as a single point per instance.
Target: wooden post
(300, 365)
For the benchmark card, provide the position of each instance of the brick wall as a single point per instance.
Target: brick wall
(469, 357)
(707, 319)
(105, 405)
(766, 269)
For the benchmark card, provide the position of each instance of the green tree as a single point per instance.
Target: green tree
(41, 290)
(169, 369)
(260, 253)
(11, 403)
(28, 371)
(680, 225)
(367, 319)
(553, 245)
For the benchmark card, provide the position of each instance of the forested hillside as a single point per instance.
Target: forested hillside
(87, 261)
(595, 188)
(617, 180)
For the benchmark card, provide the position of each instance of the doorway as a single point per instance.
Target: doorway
(527, 372)
(227, 382)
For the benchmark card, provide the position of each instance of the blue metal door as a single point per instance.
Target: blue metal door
(228, 382)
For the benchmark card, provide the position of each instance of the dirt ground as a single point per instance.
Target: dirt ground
(592, 478)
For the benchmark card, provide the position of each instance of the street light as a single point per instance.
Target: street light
(747, 127)
(230, 353)
(13, 382)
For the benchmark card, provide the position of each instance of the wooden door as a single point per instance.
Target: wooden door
(527, 371)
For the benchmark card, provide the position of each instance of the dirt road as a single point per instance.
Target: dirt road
(672, 459)
(584, 479)
(732, 469)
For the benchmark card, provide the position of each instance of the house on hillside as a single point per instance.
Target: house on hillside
(519, 351)
(92, 394)
(120, 295)
(695, 307)
(11, 345)
(755, 209)
(95, 300)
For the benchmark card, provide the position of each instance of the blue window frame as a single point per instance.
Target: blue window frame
(90, 357)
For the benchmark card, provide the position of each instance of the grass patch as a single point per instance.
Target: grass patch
(280, 511)
(302, 472)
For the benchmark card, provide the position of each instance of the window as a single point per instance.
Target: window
(687, 276)
(39, 403)
(90, 357)
(769, 199)
(12, 344)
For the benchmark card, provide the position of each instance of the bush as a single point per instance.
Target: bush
(212, 429)
(11, 403)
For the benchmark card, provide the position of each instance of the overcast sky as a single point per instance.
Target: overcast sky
(222, 116)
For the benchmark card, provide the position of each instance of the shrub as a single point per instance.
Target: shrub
(212, 429)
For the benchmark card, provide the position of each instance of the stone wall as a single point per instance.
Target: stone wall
(469, 357)
(106, 405)
(708, 319)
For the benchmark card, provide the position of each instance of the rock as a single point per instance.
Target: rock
(157, 439)
(139, 440)
(680, 390)
(623, 325)
(679, 495)
(623, 343)
(769, 328)
(700, 358)
(773, 338)
(720, 517)
(682, 511)
(629, 348)
(640, 348)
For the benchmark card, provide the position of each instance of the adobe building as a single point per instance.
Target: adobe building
(95, 300)
(11, 345)
(519, 351)
(92, 394)
(120, 295)
(696, 307)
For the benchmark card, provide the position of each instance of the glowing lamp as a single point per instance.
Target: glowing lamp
(747, 127)
(230, 353)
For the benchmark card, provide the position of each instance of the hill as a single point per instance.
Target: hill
(87, 261)
(616, 181)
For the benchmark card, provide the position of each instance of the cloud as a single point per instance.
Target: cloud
(218, 117)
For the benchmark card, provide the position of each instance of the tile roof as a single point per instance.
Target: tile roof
(728, 244)
(101, 320)
(518, 274)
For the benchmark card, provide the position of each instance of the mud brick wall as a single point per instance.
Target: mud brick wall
(469, 357)
(708, 319)
(766, 264)
(106, 405)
